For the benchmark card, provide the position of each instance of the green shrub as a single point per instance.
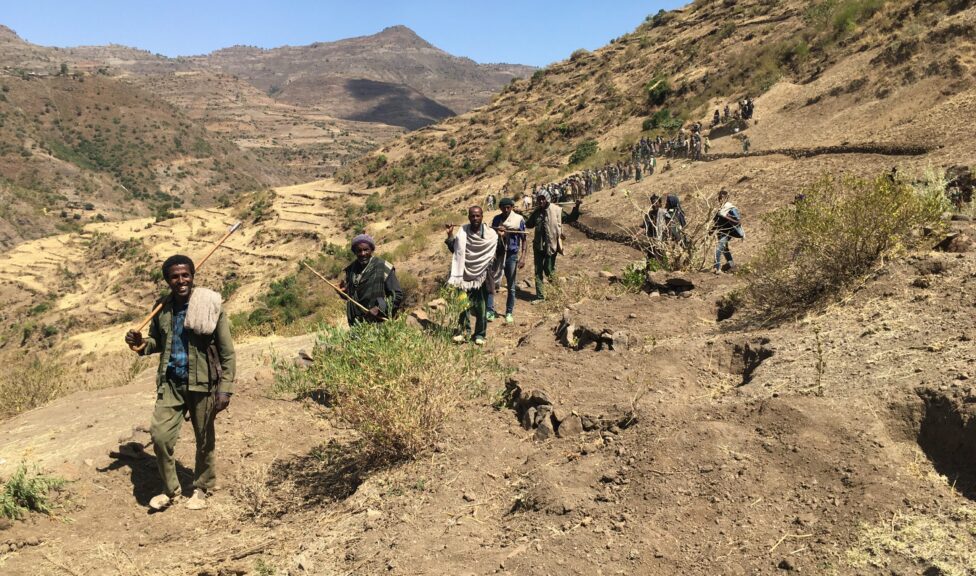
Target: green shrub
(834, 235)
(27, 491)
(664, 120)
(373, 203)
(658, 90)
(583, 151)
(634, 276)
(395, 384)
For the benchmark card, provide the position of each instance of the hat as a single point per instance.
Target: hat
(363, 239)
(506, 202)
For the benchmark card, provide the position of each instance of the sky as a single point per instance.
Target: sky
(517, 32)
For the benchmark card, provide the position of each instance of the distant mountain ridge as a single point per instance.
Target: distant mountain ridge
(409, 82)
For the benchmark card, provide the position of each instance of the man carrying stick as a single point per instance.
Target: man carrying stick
(372, 282)
(195, 376)
(475, 250)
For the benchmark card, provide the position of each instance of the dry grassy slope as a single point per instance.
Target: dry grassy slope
(94, 283)
(96, 146)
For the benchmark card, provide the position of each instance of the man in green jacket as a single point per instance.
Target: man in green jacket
(548, 219)
(195, 376)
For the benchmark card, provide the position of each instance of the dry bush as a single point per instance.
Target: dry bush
(835, 234)
(395, 384)
(30, 382)
(694, 246)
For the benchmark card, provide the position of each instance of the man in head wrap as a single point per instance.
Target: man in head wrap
(195, 377)
(475, 252)
(548, 219)
(514, 255)
(372, 282)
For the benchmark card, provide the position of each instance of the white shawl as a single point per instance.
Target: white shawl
(203, 311)
(473, 255)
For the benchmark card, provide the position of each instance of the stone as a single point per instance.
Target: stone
(606, 274)
(437, 305)
(538, 398)
(420, 319)
(620, 340)
(570, 426)
(588, 423)
(544, 431)
(542, 414)
(559, 414)
(303, 359)
(528, 419)
(304, 563)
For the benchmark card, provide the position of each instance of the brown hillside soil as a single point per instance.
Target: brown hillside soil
(710, 450)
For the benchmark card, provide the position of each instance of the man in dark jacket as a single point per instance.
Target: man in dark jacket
(192, 336)
(372, 282)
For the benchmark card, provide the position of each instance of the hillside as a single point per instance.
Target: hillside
(83, 149)
(701, 439)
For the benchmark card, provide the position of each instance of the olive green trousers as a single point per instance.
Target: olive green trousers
(172, 401)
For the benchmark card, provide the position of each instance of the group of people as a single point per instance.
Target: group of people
(486, 257)
(744, 111)
(665, 222)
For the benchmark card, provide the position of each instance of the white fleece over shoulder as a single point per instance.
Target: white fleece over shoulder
(203, 311)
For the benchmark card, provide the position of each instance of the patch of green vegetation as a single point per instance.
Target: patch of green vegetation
(27, 491)
(585, 150)
(394, 383)
(840, 229)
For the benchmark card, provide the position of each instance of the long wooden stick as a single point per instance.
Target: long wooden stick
(336, 288)
(493, 228)
(151, 315)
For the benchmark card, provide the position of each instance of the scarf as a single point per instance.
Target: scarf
(203, 311)
(473, 255)
(513, 222)
(553, 224)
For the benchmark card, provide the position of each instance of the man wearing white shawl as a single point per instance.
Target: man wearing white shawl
(475, 249)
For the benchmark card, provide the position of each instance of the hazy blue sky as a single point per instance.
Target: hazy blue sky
(515, 31)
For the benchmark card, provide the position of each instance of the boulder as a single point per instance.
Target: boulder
(570, 426)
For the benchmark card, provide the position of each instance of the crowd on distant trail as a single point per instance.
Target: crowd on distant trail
(690, 142)
(190, 331)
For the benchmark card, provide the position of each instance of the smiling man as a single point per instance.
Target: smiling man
(372, 282)
(195, 376)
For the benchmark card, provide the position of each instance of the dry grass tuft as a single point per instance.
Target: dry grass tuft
(30, 382)
(944, 542)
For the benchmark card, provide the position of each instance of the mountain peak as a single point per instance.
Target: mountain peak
(400, 34)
